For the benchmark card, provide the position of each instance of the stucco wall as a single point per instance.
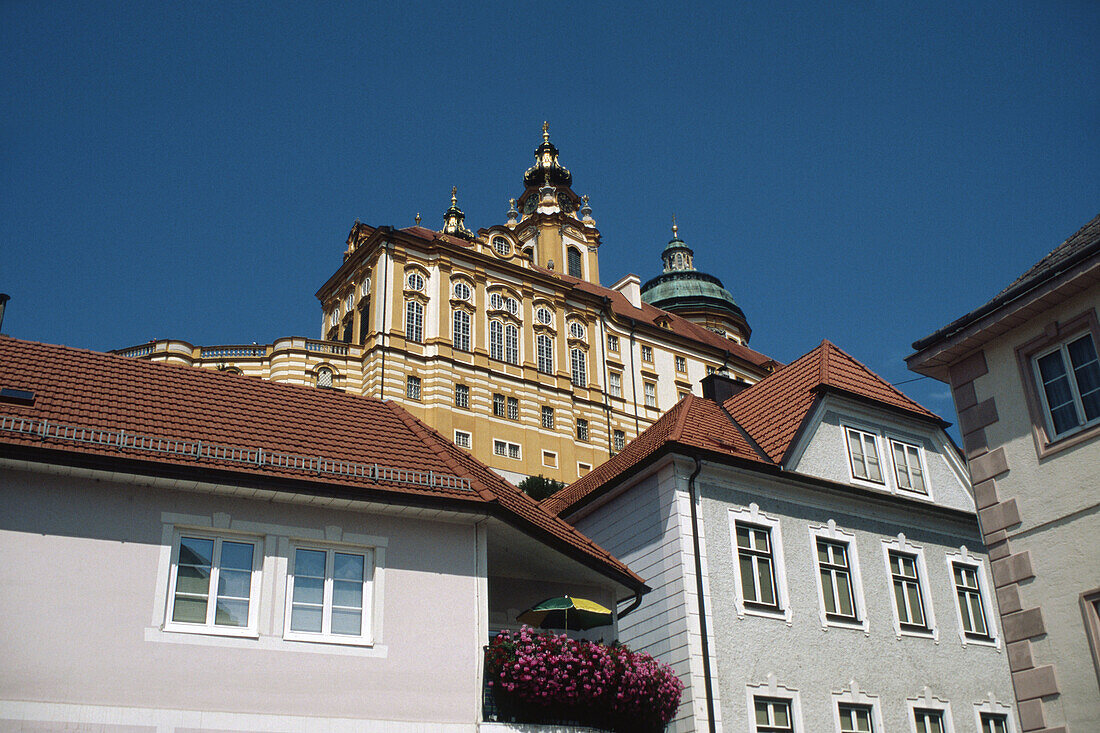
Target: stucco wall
(802, 656)
(83, 585)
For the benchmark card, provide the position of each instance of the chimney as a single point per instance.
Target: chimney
(720, 387)
(631, 287)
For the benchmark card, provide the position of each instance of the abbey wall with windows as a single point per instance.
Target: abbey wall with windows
(505, 341)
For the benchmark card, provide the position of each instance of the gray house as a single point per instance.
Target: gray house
(1024, 373)
(814, 555)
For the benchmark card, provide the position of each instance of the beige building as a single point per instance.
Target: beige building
(1024, 373)
(505, 341)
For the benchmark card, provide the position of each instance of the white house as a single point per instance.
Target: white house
(814, 556)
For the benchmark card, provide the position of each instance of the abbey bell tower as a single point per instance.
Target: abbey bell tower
(552, 223)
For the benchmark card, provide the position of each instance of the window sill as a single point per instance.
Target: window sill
(1067, 440)
(921, 632)
(239, 632)
(763, 611)
(843, 622)
(979, 640)
(320, 639)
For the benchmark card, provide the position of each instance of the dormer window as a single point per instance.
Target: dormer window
(908, 467)
(324, 377)
(502, 246)
(863, 454)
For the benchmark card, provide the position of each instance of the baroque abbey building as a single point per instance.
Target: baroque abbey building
(504, 340)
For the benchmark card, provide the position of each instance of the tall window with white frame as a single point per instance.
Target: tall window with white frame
(579, 367)
(496, 340)
(414, 321)
(928, 721)
(863, 455)
(908, 467)
(971, 606)
(908, 595)
(773, 715)
(462, 395)
(213, 582)
(582, 429)
(615, 384)
(511, 343)
(544, 346)
(461, 330)
(855, 719)
(756, 561)
(994, 723)
(649, 389)
(548, 417)
(836, 581)
(412, 387)
(328, 595)
(1069, 381)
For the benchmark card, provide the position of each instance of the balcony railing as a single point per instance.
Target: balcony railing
(221, 352)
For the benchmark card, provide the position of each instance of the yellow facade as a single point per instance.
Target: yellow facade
(487, 339)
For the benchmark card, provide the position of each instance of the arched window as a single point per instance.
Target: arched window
(502, 246)
(543, 315)
(415, 281)
(324, 377)
(496, 340)
(511, 344)
(414, 321)
(462, 290)
(364, 289)
(545, 349)
(496, 301)
(573, 261)
(578, 362)
(576, 330)
(462, 330)
(512, 305)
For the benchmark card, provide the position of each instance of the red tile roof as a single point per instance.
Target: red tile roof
(693, 423)
(773, 409)
(770, 413)
(75, 387)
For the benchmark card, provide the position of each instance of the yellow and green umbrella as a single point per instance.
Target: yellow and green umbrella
(566, 612)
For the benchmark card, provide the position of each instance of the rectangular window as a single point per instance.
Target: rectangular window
(412, 387)
(511, 344)
(620, 440)
(462, 395)
(462, 330)
(548, 417)
(612, 343)
(908, 596)
(582, 429)
(615, 384)
(836, 580)
(756, 562)
(328, 595)
(583, 469)
(462, 439)
(1069, 385)
(647, 354)
(855, 719)
(364, 322)
(681, 364)
(908, 468)
(994, 723)
(414, 321)
(496, 340)
(214, 584)
(513, 451)
(773, 715)
(545, 353)
(863, 455)
(928, 721)
(513, 408)
(504, 448)
(971, 606)
(650, 390)
(498, 405)
(549, 459)
(580, 367)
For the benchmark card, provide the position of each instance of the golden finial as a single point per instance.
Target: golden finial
(545, 131)
(417, 218)
(585, 199)
(454, 195)
(675, 229)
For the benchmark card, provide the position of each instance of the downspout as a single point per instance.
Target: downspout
(707, 685)
(385, 324)
(634, 384)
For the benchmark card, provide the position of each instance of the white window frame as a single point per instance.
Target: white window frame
(511, 343)
(464, 401)
(462, 330)
(902, 545)
(851, 459)
(251, 630)
(647, 351)
(830, 533)
(553, 459)
(649, 392)
(855, 696)
(544, 315)
(927, 491)
(578, 363)
(615, 384)
(752, 515)
(512, 406)
(990, 707)
(325, 376)
(583, 469)
(413, 387)
(613, 343)
(583, 426)
(496, 301)
(577, 331)
(546, 417)
(366, 638)
(929, 702)
(500, 407)
(771, 689)
(496, 340)
(681, 364)
(415, 281)
(414, 321)
(466, 439)
(462, 290)
(619, 438)
(964, 557)
(1071, 380)
(511, 305)
(502, 246)
(507, 448)
(544, 352)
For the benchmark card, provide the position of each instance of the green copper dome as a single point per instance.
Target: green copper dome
(683, 289)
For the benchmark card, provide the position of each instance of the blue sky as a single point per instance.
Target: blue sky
(862, 171)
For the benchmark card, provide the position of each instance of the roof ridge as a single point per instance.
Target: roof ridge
(823, 363)
(678, 427)
(883, 382)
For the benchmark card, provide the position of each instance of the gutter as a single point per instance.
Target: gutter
(708, 685)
